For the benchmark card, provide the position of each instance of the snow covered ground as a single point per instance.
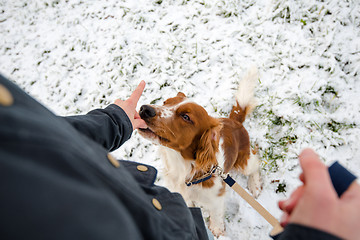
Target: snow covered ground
(77, 55)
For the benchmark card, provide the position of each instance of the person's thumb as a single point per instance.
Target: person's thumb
(315, 173)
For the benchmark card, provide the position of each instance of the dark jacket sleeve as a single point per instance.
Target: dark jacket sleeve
(299, 232)
(109, 127)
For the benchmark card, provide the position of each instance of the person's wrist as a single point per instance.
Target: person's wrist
(124, 113)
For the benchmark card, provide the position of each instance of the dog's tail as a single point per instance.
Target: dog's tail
(245, 100)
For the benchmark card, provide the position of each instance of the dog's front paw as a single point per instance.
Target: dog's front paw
(254, 184)
(217, 229)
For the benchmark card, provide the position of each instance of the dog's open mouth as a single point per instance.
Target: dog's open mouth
(147, 132)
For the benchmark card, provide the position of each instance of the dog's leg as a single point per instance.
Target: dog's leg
(254, 184)
(216, 212)
(253, 171)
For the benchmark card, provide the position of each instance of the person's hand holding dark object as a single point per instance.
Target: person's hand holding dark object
(316, 204)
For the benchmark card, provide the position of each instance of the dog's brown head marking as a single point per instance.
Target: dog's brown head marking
(185, 127)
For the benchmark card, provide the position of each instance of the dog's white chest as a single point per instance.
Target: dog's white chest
(177, 170)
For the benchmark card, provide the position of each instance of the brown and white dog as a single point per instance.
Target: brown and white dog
(192, 143)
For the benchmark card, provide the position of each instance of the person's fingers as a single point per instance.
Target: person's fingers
(302, 178)
(313, 168)
(137, 116)
(129, 106)
(316, 176)
(139, 123)
(285, 219)
(289, 204)
(135, 96)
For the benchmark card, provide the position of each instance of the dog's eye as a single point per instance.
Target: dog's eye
(186, 117)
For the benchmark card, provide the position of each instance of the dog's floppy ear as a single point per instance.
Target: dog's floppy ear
(207, 148)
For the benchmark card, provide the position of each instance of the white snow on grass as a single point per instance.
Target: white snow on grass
(74, 56)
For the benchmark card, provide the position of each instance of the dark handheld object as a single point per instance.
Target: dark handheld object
(341, 178)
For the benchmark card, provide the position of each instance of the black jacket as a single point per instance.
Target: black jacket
(299, 232)
(58, 181)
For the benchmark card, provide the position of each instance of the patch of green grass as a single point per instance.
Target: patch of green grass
(329, 90)
(155, 100)
(284, 13)
(281, 188)
(280, 129)
(165, 84)
(279, 137)
(335, 126)
(270, 158)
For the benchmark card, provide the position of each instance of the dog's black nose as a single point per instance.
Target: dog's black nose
(147, 111)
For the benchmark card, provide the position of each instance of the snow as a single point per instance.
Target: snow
(74, 56)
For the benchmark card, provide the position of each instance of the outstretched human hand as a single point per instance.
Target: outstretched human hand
(316, 204)
(129, 106)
